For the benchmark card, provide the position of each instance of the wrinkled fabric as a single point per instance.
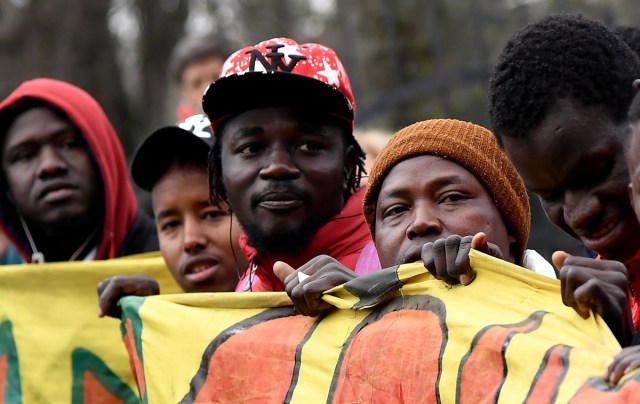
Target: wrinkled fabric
(53, 346)
(342, 238)
(396, 336)
(370, 262)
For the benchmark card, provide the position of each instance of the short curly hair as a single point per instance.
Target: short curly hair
(630, 36)
(560, 56)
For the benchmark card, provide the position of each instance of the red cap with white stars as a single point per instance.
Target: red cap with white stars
(280, 72)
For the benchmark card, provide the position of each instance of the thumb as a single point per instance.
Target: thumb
(282, 270)
(479, 242)
(558, 258)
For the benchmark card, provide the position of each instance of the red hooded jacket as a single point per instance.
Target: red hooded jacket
(125, 230)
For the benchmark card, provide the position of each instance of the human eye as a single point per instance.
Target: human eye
(549, 197)
(215, 214)
(453, 197)
(393, 211)
(169, 225)
(600, 172)
(310, 146)
(197, 82)
(70, 140)
(250, 149)
(72, 143)
(22, 155)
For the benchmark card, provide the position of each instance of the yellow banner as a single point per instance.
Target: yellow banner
(53, 346)
(399, 336)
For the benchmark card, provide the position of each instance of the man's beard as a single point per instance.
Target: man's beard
(285, 242)
(75, 223)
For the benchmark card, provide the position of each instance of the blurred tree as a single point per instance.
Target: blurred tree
(70, 40)
(408, 60)
(161, 27)
(65, 39)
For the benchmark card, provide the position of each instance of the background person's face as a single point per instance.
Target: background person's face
(426, 198)
(51, 175)
(196, 237)
(284, 173)
(574, 162)
(196, 77)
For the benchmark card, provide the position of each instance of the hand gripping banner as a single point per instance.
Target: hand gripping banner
(397, 336)
(53, 346)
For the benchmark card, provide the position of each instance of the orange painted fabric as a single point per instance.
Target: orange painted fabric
(397, 335)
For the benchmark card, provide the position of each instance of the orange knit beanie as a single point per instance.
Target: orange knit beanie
(471, 146)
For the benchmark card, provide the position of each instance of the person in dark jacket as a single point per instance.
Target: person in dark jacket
(559, 121)
(198, 240)
(67, 193)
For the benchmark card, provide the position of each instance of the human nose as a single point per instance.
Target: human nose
(580, 208)
(279, 165)
(424, 222)
(50, 162)
(194, 237)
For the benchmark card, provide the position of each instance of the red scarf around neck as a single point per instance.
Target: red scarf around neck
(342, 238)
(633, 273)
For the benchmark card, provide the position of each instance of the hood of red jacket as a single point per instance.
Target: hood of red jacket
(82, 109)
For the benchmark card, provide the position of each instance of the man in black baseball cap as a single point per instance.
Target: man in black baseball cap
(197, 238)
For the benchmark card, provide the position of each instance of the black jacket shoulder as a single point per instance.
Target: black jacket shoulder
(142, 237)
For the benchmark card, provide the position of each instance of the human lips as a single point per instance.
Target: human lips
(280, 200)
(200, 269)
(599, 238)
(57, 191)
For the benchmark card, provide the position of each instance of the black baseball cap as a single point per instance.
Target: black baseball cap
(191, 139)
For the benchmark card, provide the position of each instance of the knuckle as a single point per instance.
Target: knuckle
(466, 240)
(439, 245)
(427, 248)
(619, 278)
(590, 286)
(118, 281)
(570, 260)
(452, 240)
(297, 295)
(619, 267)
(569, 272)
(324, 259)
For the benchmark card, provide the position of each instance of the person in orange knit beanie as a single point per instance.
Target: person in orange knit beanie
(439, 188)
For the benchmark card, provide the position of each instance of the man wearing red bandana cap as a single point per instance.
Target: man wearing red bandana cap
(284, 157)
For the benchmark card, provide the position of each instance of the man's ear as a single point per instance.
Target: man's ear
(349, 164)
